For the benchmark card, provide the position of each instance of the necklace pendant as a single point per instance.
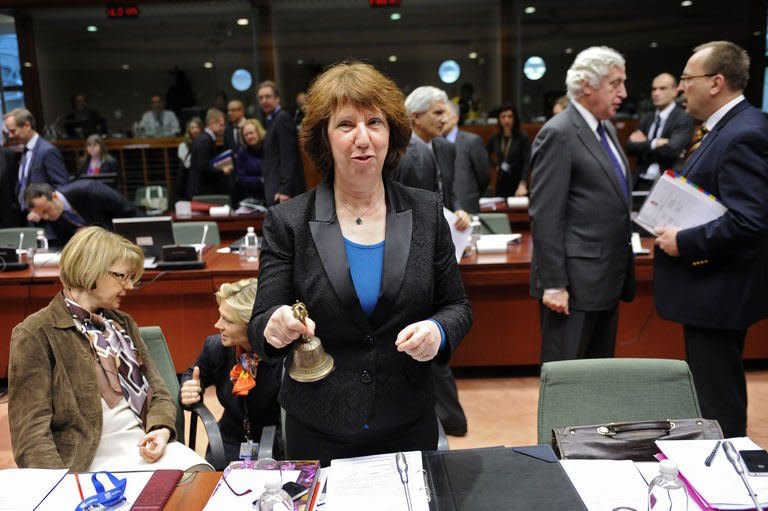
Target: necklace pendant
(358, 220)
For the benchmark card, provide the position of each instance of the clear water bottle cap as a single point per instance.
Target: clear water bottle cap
(668, 469)
(250, 230)
(274, 481)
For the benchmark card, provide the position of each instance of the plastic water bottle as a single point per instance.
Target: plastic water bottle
(477, 230)
(666, 491)
(274, 497)
(249, 250)
(41, 242)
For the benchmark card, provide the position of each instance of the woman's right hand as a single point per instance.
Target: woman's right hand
(283, 328)
(191, 390)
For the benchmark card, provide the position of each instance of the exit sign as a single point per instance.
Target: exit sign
(384, 3)
(123, 11)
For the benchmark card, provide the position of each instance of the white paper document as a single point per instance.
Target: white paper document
(67, 496)
(460, 238)
(495, 243)
(676, 202)
(373, 483)
(604, 485)
(718, 484)
(241, 479)
(25, 488)
(518, 202)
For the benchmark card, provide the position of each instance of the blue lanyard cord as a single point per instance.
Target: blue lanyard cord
(103, 499)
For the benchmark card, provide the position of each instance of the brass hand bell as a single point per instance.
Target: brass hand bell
(310, 361)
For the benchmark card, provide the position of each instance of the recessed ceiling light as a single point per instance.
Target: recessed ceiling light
(686, 3)
(92, 28)
(472, 55)
(530, 9)
(207, 65)
(394, 16)
(300, 61)
(392, 58)
(654, 44)
(27, 64)
(242, 22)
(568, 51)
(126, 67)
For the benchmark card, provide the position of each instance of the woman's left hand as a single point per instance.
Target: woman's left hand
(419, 340)
(152, 446)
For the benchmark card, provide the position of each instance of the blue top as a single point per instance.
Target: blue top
(365, 265)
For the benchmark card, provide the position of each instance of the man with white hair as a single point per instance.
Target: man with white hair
(428, 163)
(429, 160)
(473, 169)
(582, 262)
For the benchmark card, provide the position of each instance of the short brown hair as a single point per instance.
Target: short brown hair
(729, 60)
(90, 253)
(360, 85)
(21, 117)
(271, 85)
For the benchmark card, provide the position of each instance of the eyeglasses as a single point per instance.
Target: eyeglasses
(684, 79)
(125, 278)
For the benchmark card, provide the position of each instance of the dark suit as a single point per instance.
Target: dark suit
(581, 237)
(282, 167)
(203, 178)
(46, 166)
(717, 287)
(95, 202)
(229, 138)
(678, 128)
(374, 389)
(416, 168)
(10, 215)
(472, 171)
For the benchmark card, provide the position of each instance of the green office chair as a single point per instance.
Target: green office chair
(215, 199)
(599, 390)
(158, 349)
(10, 237)
(494, 223)
(189, 233)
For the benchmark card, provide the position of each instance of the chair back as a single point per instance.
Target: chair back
(494, 223)
(10, 236)
(158, 349)
(188, 233)
(595, 391)
(215, 199)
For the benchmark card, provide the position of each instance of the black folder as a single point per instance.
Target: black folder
(524, 478)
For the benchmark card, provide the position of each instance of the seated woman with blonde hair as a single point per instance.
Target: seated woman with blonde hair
(246, 386)
(83, 392)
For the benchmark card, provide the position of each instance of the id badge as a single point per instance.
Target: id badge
(505, 166)
(249, 450)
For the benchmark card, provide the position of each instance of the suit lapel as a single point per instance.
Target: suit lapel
(589, 139)
(397, 245)
(326, 233)
(711, 136)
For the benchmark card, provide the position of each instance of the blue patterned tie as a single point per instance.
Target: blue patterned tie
(614, 160)
(23, 178)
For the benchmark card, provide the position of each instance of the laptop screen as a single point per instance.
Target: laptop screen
(151, 233)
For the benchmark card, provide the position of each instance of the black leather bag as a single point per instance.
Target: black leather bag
(628, 440)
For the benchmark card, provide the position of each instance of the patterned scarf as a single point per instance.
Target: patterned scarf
(117, 356)
(243, 373)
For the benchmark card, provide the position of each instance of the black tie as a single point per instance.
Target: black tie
(655, 130)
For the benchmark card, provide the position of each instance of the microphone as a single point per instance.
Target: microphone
(735, 459)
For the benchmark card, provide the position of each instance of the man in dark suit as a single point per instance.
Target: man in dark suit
(233, 135)
(204, 178)
(428, 163)
(582, 262)
(10, 215)
(712, 278)
(661, 136)
(40, 162)
(76, 204)
(472, 169)
(282, 168)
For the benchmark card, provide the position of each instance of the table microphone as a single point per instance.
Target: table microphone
(735, 459)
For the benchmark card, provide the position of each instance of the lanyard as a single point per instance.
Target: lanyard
(505, 148)
(104, 499)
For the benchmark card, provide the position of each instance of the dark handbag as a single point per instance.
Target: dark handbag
(628, 440)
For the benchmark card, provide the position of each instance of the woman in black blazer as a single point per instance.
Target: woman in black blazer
(374, 263)
(98, 162)
(511, 150)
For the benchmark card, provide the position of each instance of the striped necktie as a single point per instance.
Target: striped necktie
(698, 136)
(23, 178)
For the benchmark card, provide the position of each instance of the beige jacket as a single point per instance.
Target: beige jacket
(54, 402)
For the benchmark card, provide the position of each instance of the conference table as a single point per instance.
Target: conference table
(505, 331)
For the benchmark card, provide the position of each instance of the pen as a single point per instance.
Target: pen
(711, 456)
(402, 468)
(79, 488)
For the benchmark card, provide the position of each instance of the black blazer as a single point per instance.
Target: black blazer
(282, 168)
(108, 166)
(721, 276)
(10, 214)
(518, 158)
(96, 203)
(472, 172)
(416, 167)
(303, 258)
(678, 129)
(215, 362)
(203, 178)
